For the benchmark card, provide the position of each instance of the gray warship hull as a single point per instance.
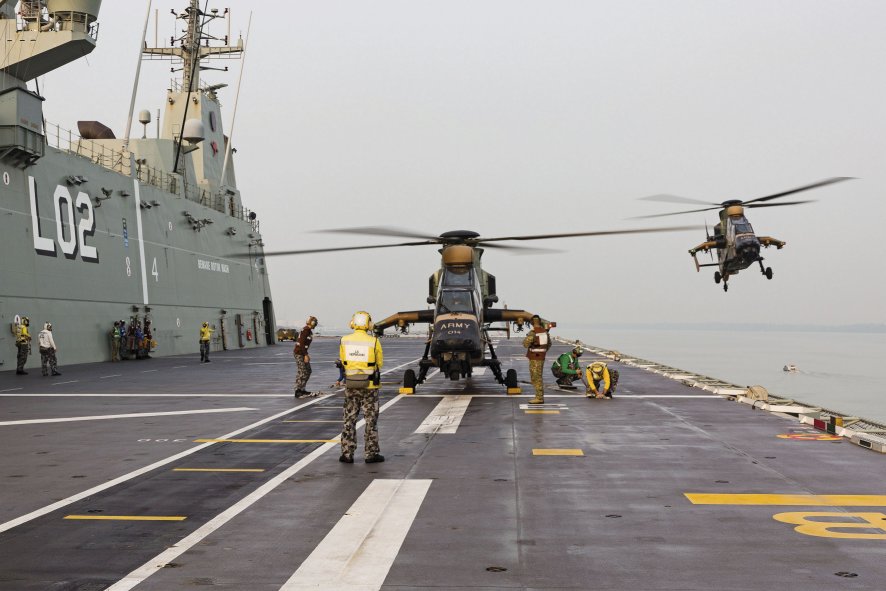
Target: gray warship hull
(95, 229)
(211, 475)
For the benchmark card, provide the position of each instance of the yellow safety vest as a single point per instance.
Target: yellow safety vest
(23, 336)
(205, 333)
(361, 354)
(590, 378)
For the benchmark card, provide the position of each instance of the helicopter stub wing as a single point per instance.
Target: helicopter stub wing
(401, 319)
(768, 241)
(704, 247)
(511, 315)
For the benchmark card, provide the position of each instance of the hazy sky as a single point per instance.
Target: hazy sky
(508, 117)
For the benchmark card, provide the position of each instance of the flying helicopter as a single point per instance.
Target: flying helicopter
(737, 246)
(463, 296)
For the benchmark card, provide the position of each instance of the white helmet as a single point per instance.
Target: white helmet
(361, 321)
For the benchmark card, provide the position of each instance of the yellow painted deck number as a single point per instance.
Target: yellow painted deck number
(807, 523)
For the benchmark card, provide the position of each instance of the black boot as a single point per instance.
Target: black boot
(345, 459)
(56, 373)
(21, 372)
(375, 458)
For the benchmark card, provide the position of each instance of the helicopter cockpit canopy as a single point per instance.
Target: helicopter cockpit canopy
(743, 227)
(453, 301)
(458, 277)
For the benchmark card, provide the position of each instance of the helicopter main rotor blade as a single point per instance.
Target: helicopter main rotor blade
(484, 241)
(379, 231)
(830, 181)
(340, 248)
(781, 203)
(519, 249)
(662, 215)
(664, 198)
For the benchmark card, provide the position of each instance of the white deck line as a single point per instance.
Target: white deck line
(126, 416)
(179, 548)
(447, 415)
(358, 552)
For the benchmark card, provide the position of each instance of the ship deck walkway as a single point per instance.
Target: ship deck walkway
(169, 474)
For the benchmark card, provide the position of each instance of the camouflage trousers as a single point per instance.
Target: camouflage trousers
(22, 358)
(354, 401)
(304, 372)
(536, 371)
(48, 361)
(204, 350)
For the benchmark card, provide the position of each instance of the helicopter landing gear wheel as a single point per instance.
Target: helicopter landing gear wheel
(717, 277)
(511, 378)
(768, 272)
(409, 380)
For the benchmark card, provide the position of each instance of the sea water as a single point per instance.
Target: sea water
(843, 371)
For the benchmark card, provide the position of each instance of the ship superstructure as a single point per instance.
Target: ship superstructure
(97, 228)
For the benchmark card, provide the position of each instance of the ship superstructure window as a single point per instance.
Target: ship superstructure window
(458, 277)
(456, 301)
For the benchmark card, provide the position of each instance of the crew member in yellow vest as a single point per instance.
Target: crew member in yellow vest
(361, 355)
(205, 336)
(23, 344)
(601, 380)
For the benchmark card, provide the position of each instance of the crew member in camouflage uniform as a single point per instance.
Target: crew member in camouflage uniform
(116, 335)
(48, 360)
(361, 354)
(23, 344)
(302, 359)
(537, 344)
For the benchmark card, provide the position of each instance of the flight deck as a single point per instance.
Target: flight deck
(168, 474)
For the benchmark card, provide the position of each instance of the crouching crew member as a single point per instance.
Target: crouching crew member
(537, 344)
(601, 380)
(567, 369)
(302, 359)
(48, 360)
(361, 355)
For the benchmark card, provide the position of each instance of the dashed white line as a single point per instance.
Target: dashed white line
(10, 389)
(113, 375)
(149, 370)
(359, 551)
(161, 560)
(447, 416)
(68, 382)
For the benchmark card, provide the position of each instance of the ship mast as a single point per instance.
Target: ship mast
(193, 47)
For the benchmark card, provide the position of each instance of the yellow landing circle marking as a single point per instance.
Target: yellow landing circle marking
(514, 390)
(809, 437)
(557, 452)
(823, 529)
(218, 469)
(407, 390)
(265, 441)
(806, 500)
(542, 412)
(127, 517)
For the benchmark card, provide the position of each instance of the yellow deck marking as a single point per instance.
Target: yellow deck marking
(542, 412)
(557, 452)
(313, 421)
(810, 437)
(128, 517)
(806, 500)
(266, 441)
(218, 469)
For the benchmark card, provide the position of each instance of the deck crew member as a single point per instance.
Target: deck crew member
(48, 360)
(23, 344)
(302, 359)
(601, 380)
(116, 335)
(567, 369)
(361, 355)
(537, 344)
(205, 336)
